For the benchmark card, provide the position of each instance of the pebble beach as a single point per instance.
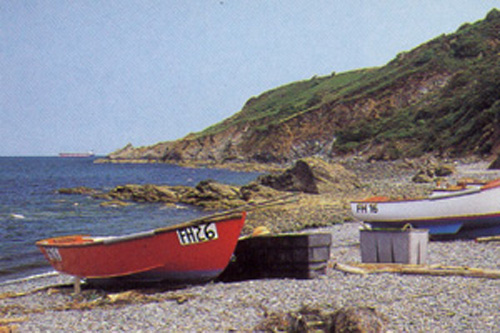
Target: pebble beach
(407, 303)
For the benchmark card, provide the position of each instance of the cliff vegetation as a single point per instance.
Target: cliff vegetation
(442, 97)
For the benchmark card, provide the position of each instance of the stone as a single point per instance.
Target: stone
(422, 177)
(254, 191)
(385, 152)
(443, 170)
(312, 175)
(81, 190)
(299, 178)
(215, 190)
(144, 193)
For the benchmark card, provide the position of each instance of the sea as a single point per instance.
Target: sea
(31, 208)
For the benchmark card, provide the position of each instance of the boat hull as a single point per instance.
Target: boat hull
(472, 212)
(460, 227)
(187, 253)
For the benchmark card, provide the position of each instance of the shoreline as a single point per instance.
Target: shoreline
(233, 166)
(408, 302)
(28, 278)
(390, 178)
(473, 161)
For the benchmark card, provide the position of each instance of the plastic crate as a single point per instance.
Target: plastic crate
(394, 246)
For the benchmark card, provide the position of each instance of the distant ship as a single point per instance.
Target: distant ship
(88, 154)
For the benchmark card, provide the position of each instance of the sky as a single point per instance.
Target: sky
(96, 75)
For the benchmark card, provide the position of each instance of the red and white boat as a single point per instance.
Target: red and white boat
(471, 210)
(195, 251)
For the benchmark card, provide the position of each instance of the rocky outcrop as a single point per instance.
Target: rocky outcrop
(147, 193)
(309, 175)
(129, 153)
(207, 194)
(312, 175)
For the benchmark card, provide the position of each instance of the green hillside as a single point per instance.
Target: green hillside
(442, 97)
(460, 118)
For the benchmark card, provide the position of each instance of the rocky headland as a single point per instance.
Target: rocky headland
(441, 98)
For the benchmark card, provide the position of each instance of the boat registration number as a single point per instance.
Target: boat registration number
(197, 234)
(367, 209)
(53, 254)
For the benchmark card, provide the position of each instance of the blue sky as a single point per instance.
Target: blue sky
(96, 75)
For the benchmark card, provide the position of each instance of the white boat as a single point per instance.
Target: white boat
(472, 210)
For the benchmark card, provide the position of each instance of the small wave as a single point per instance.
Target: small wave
(17, 216)
(29, 278)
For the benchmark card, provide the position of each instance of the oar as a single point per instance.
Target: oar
(232, 213)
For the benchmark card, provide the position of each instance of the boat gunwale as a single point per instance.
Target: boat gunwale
(457, 193)
(436, 198)
(444, 219)
(87, 240)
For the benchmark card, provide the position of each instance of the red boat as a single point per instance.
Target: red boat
(195, 251)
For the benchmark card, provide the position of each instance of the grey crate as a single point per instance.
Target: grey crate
(394, 246)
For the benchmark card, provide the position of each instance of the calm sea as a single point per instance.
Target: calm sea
(31, 209)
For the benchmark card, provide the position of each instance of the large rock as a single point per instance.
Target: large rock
(210, 194)
(213, 190)
(312, 175)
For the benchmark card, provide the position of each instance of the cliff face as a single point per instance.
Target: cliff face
(441, 97)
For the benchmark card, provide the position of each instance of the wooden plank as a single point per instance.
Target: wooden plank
(77, 288)
(434, 270)
(488, 239)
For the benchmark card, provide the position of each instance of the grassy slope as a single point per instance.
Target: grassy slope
(460, 118)
(278, 105)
